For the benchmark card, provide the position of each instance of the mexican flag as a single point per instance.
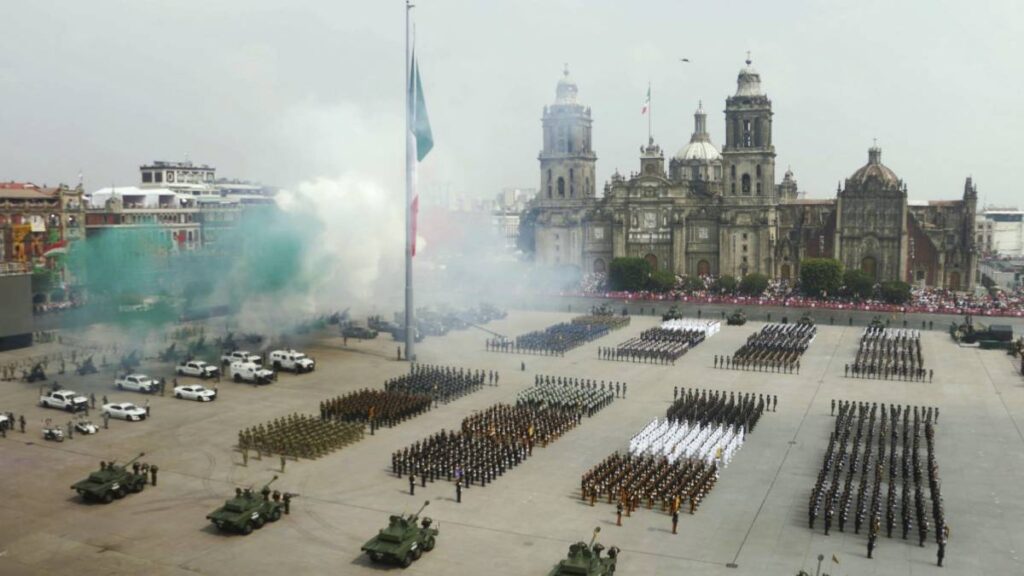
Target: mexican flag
(647, 102)
(419, 125)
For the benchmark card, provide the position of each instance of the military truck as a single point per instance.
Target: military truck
(402, 542)
(674, 313)
(249, 510)
(111, 481)
(737, 318)
(586, 560)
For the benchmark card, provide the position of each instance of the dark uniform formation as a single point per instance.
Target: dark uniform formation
(634, 479)
(889, 353)
(558, 339)
(776, 348)
(299, 436)
(568, 394)
(489, 443)
(894, 465)
(442, 383)
(655, 346)
(382, 407)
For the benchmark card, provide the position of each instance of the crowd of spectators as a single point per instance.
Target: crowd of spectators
(706, 290)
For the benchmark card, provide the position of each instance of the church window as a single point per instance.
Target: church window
(746, 133)
(744, 249)
(733, 188)
(746, 184)
(744, 235)
(549, 175)
(695, 173)
(732, 171)
(758, 188)
(561, 187)
(735, 132)
(572, 183)
(758, 170)
(586, 187)
(757, 133)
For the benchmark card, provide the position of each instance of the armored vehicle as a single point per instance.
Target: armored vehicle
(86, 367)
(602, 310)
(381, 325)
(674, 313)
(351, 330)
(402, 542)
(249, 510)
(806, 319)
(111, 481)
(586, 560)
(737, 318)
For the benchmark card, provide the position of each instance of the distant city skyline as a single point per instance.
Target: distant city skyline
(283, 93)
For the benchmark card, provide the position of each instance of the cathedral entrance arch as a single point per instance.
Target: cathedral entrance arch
(869, 266)
(599, 267)
(785, 272)
(703, 268)
(652, 260)
(954, 281)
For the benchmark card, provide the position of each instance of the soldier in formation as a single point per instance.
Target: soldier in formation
(889, 354)
(488, 444)
(299, 436)
(441, 383)
(558, 339)
(384, 408)
(873, 459)
(586, 396)
(654, 346)
(776, 348)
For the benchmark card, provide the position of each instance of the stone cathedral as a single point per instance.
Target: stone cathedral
(712, 211)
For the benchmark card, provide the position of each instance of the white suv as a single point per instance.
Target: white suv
(291, 360)
(250, 372)
(241, 356)
(137, 382)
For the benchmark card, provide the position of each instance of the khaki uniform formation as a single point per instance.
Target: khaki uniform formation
(299, 436)
(489, 443)
(558, 339)
(631, 480)
(776, 348)
(442, 383)
(703, 407)
(889, 353)
(884, 455)
(567, 394)
(384, 408)
(654, 346)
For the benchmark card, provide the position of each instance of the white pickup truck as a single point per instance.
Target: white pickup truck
(291, 360)
(241, 356)
(137, 382)
(250, 372)
(197, 368)
(64, 400)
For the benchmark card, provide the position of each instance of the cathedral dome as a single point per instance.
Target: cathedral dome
(748, 83)
(566, 90)
(700, 146)
(875, 169)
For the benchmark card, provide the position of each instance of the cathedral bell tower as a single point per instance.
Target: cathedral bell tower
(567, 161)
(748, 156)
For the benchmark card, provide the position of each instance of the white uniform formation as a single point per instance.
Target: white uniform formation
(677, 440)
(708, 327)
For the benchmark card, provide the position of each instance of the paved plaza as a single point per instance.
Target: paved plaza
(753, 522)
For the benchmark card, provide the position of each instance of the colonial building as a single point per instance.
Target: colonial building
(712, 212)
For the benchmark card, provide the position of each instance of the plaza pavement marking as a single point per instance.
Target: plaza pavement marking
(977, 352)
(789, 447)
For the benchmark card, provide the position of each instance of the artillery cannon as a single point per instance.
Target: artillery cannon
(403, 541)
(86, 367)
(586, 560)
(249, 510)
(37, 374)
(111, 481)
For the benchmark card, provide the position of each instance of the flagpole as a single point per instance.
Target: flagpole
(410, 185)
(650, 113)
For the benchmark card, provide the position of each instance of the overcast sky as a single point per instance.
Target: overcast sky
(285, 91)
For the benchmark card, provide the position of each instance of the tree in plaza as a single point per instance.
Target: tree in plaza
(661, 281)
(858, 284)
(820, 276)
(754, 284)
(895, 292)
(630, 274)
(726, 284)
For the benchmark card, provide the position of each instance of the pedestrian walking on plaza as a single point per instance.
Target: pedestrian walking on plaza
(522, 366)
(282, 463)
(675, 519)
(71, 430)
(287, 502)
(152, 472)
(147, 408)
(21, 422)
(399, 353)
(618, 514)
(412, 484)
(245, 457)
(458, 492)
(92, 399)
(106, 421)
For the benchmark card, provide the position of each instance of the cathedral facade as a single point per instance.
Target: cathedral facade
(715, 212)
